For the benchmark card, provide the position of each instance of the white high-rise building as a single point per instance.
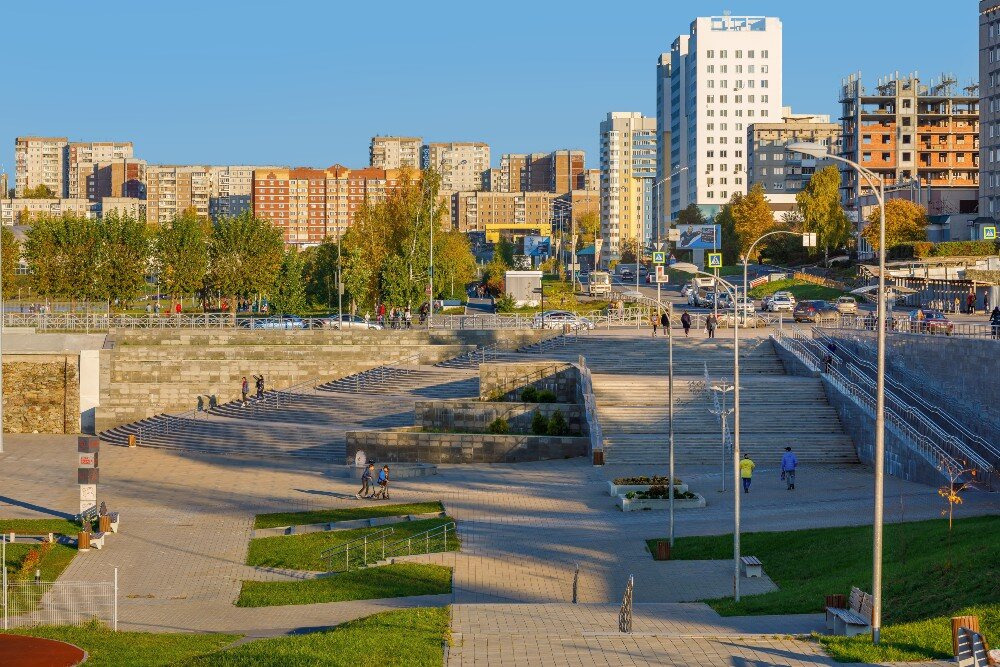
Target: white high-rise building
(722, 77)
(628, 165)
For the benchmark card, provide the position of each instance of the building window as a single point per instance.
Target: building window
(866, 138)
(739, 54)
(710, 69)
(763, 70)
(866, 157)
(710, 53)
(763, 53)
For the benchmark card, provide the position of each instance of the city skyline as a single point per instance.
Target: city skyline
(246, 119)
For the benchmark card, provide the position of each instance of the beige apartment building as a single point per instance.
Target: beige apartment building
(82, 161)
(559, 171)
(4, 186)
(502, 213)
(39, 161)
(124, 206)
(461, 164)
(231, 189)
(172, 189)
(395, 152)
(23, 211)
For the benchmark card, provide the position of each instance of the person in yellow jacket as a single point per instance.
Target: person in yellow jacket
(746, 472)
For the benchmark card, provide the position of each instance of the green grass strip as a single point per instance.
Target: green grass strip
(802, 290)
(374, 510)
(39, 526)
(52, 565)
(384, 581)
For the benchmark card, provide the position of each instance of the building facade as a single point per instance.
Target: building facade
(661, 187)
(628, 167)
(503, 213)
(460, 163)
(722, 76)
(82, 160)
(39, 161)
(231, 189)
(22, 211)
(395, 152)
(123, 206)
(782, 173)
(4, 185)
(989, 108)
(172, 189)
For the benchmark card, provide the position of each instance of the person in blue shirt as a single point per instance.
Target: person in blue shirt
(788, 465)
(383, 483)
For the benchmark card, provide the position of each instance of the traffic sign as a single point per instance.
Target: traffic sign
(715, 260)
(989, 233)
(661, 274)
(659, 258)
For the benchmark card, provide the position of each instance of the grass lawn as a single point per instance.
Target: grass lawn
(802, 290)
(921, 588)
(52, 565)
(39, 526)
(278, 519)
(384, 581)
(302, 552)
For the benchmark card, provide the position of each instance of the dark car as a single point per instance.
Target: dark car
(925, 320)
(815, 311)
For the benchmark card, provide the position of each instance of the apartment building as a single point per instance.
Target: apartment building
(628, 167)
(661, 187)
(231, 189)
(39, 161)
(592, 180)
(502, 213)
(721, 77)
(310, 205)
(395, 152)
(461, 164)
(558, 171)
(22, 211)
(123, 206)
(783, 173)
(172, 189)
(124, 177)
(989, 108)
(904, 131)
(82, 160)
(4, 185)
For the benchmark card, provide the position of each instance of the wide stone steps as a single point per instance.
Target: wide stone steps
(762, 448)
(422, 382)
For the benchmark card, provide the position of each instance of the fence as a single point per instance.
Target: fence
(374, 548)
(905, 325)
(31, 603)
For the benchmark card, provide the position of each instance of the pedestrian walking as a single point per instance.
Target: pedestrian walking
(788, 465)
(995, 322)
(664, 322)
(383, 484)
(971, 301)
(366, 482)
(258, 381)
(710, 324)
(686, 323)
(958, 305)
(245, 390)
(655, 321)
(408, 317)
(746, 472)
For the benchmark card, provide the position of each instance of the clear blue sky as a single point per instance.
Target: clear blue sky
(308, 82)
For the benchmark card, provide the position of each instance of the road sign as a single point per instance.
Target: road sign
(715, 260)
(659, 258)
(661, 274)
(989, 233)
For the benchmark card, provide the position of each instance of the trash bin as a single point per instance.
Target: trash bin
(599, 457)
(83, 541)
(104, 524)
(131, 440)
(970, 622)
(663, 550)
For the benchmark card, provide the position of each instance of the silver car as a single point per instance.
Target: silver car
(556, 319)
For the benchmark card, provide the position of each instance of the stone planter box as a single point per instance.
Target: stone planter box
(636, 504)
(622, 489)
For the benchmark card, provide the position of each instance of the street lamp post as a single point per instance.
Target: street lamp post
(808, 239)
(877, 184)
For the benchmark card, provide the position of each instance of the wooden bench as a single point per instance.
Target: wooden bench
(973, 650)
(88, 516)
(752, 567)
(855, 619)
(97, 540)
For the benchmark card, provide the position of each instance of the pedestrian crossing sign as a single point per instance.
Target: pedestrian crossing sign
(659, 258)
(715, 260)
(989, 233)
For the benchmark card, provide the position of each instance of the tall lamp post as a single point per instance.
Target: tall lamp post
(877, 184)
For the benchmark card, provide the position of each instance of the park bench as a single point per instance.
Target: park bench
(752, 567)
(107, 521)
(88, 515)
(973, 650)
(855, 619)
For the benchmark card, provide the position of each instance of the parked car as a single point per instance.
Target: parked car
(847, 305)
(815, 311)
(931, 321)
(555, 319)
(749, 320)
(346, 321)
(780, 302)
(626, 274)
(686, 289)
(789, 295)
(277, 322)
(746, 306)
(706, 300)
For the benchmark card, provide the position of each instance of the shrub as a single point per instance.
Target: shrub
(505, 303)
(636, 481)
(499, 426)
(964, 249)
(539, 424)
(546, 396)
(529, 395)
(557, 424)
(922, 248)
(660, 493)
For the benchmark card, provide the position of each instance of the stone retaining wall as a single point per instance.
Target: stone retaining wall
(470, 415)
(41, 393)
(203, 337)
(563, 379)
(416, 446)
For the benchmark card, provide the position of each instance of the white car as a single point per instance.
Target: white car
(789, 295)
(350, 322)
(781, 302)
(746, 306)
(555, 319)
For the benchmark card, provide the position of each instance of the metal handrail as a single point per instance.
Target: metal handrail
(396, 548)
(163, 423)
(364, 559)
(345, 548)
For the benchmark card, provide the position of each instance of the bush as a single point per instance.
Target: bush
(923, 249)
(546, 396)
(629, 481)
(539, 424)
(557, 424)
(529, 395)
(964, 249)
(505, 304)
(660, 493)
(499, 426)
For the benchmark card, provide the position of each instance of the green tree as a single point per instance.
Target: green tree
(691, 215)
(39, 192)
(819, 204)
(10, 258)
(905, 222)
(181, 255)
(588, 226)
(320, 273)
(629, 250)
(729, 241)
(288, 294)
(244, 254)
(505, 250)
(752, 218)
(124, 255)
(63, 256)
(454, 264)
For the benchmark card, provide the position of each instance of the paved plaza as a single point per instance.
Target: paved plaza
(187, 521)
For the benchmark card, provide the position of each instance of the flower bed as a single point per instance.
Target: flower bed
(681, 501)
(623, 485)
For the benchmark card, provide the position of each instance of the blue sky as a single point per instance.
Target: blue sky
(308, 83)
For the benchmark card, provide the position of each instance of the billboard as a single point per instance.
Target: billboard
(537, 246)
(705, 237)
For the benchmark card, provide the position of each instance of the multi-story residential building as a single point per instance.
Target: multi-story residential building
(231, 189)
(989, 108)
(395, 152)
(661, 187)
(39, 161)
(783, 173)
(559, 171)
(491, 180)
(22, 211)
(905, 131)
(513, 172)
(722, 76)
(503, 213)
(125, 177)
(628, 167)
(172, 189)
(4, 185)
(81, 161)
(310, 205)
(123, 206)
(461, 164)
(592, 180)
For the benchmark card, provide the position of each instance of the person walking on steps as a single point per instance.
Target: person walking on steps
(788, 465)
(746, 472)
(245, 390)
(664, 322)
(686, 323)
(258, 381)
(655, 321)
(366, 482)
(710, 324)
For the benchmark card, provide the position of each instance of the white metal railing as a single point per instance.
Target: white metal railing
(374, 548)
(163, 425)
(30, 603)
(903, 324)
